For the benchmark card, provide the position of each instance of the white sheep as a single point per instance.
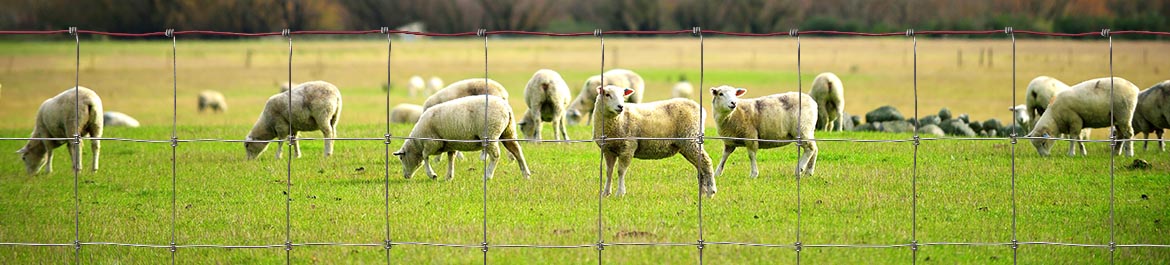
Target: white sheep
(434, 84)
(547, 96)
(73, 112)
(582, 106)
(829, 93)
(1088, 105)
(417, 85)
(1153, 113)
(405, 113)
(673, 118)
(466, 87)
(114, 118)
(316, 105)
(773, 117)
(1020, 115)
(284, 86)
(1041, 91)
(213, 100)
(682, 89)
(462, 119)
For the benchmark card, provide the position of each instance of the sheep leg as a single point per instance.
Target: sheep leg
(96, 147)
(610, 158)
(808, 160)
(49, 153)
(1084, 136)
(450, 165)
(328, 131)
(514, 149)
(75, 154)
(702, 163)
(752, 148)
(1146, 144)
(560, 127)
(623, 164)
(427, 165)
(493, 155)
(279, 148)
(1125, 131)
(295, 145)
(727, 149)
(1161, 144)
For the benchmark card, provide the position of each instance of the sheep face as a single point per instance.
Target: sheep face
(528, 127)
(1043, 146)
(724, 97)
(33, 156)
(254, 149)
(610, 99)
(410, 162)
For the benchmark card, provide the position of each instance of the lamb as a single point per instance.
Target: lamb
(829, 93)
(582, 106)
(417, 85)
(405, 113)
(1153, 113)
(211, 99)
(1020, 114)
(434, 84)
(462, 119)
(774, 117)
(672, 118)
(73, 112)
(114, 118)
(548, 98)
(316, 105)
(284, 86)
(466, 87)
(1088, 105)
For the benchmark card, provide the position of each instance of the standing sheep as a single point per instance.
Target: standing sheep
(417, 85)
(829, 93)
(211, 99)
(1153, 113)
(1088, 105)
(405, 113)
(548, 97)
(76, 111)
(316, 105)
(682, 89)
(672, 118)
(434, 84)
(114, 118)
(462, 119)
(466, 87)
(582, 106)
(774, 117)
(1040, 94)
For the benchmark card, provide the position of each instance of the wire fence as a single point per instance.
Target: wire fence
(600, 245)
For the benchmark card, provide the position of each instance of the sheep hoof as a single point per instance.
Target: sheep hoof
(753, 175)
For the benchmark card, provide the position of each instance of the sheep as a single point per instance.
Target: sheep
(672, 118)
(829, 93)
(114, 118)
(548, 98)
(405, 113)
(417, 85)
(316, 105)
(211, 99)
(1088, 105)
(1153, 113)
(434, 84)
(682, 89)
(284, 86)
(784, 116)
(1041, 91)
(582, 106)
(1020, 114)
(466, 87)
(74, 112)
(462, 119)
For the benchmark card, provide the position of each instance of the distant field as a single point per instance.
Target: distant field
(860, 195)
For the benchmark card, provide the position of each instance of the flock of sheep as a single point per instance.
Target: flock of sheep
(458, 117)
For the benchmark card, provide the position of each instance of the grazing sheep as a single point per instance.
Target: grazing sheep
(405, 113)
(682, 89)
(829, 93)
(73, 112)
(1020, 114)
(1039, 95)
(211, 99)
(434, 84)
(316, 105)
(114, 118)
(1088, 105)
(466, 87)
(284, 86)
(417, 85)
(582, 106)
(1153, 113)
(672, 118)
(548, 97)
(462, 119)
(774, 117)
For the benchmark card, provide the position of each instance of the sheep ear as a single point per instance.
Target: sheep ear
(22, 150)
(600, 90)
(398, 153)
(740, 91)
(628, 91)
(714, 92)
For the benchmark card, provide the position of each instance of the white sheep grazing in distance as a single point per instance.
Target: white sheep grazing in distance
(582, 106)
(548, 97)
(434, 84)
(316, 105)
(405, 113)
(114, 118)
(76, 111)
(466, 87)
(284, 86)
(462, 119)
(1042, 90)
(211, 99)
(682, 89)
(773, 117)
(1020, 115)
(1088, 105)
(417, 85)
(829, 94)
(1153, 113)
(672, 118)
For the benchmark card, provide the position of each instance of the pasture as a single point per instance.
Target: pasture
(861, 193)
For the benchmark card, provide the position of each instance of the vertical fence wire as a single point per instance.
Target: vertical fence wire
(485, 156)
(800, 97)
(1113, 153)
(293, 147)
(1015, 241)
(174, 136)
(76, 143)
(601, 167)
(386, 143)
(702, 132)
(914, 177)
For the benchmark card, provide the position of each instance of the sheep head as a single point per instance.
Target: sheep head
(528, 125)
(610, 99)
(33, 155)
(254, 149)
(724, 98)
(410, 159)
(1043, 145)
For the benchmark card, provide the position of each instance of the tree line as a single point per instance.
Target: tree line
(757, 16)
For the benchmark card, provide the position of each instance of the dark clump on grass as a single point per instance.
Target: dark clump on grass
(1140, 164)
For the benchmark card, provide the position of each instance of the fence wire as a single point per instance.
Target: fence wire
(387, 244)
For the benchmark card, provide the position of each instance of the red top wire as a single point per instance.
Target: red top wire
(573, 34)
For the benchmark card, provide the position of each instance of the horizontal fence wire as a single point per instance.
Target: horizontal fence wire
(484, 245)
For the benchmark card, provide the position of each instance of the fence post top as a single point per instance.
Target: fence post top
(481, 32)
(795, 32)
(72, 30)
(384, 30)
(910, 33)
(1105, 33)
(597, 33)
(286, 32)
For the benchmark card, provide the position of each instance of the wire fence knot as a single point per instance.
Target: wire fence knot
(794, 33)
(798, 246)
(1015, 244)
(484, 246)
(701, 244)
(72, 30)
(696, 31)
(1009, 31)
(913, 245)
(600, 245)
(597, 33)
(910, 33)
(170, 33)
(286, 33)
(173, 248)
(1105, 32)
(174, 141)
(481, 32)
(287, 245)
(384, 30)
(387, 245)
(77, 245)
(917, 140)
(387, 138)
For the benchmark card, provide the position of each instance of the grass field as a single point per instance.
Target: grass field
(860, 195)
